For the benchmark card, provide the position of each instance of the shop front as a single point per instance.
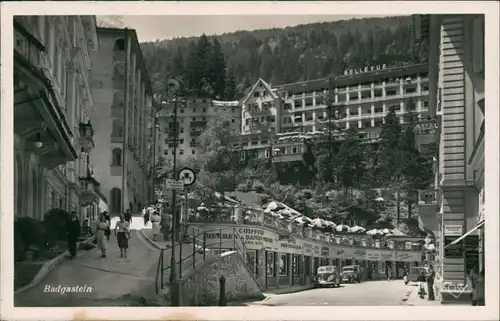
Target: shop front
(279, 262)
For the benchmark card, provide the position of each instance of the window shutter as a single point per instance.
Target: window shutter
(478, 48)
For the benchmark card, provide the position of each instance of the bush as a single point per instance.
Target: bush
(30, 233)
(55, 224)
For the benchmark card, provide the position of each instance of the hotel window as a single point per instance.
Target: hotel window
(425, 104)
(410, 90)
(366, 95)
(287, 106)
(395, 107)
(298, 103)
(233, 109)
(181, 151)
(266, 153)
(242, 155)
(425, 88)
(193, 151)
(353, 97)
(270, 262)
(379, 109)
(424, 75)
(165, 152)
(367, 124)
(299, 148)
(256, 94)
(283, 264)
(182, 110)
(391, 93)
(377, 93)
(309, 102)
(194, 110)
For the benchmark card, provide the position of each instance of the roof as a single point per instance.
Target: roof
(266, 85)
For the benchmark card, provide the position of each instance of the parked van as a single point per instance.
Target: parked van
(327, 276)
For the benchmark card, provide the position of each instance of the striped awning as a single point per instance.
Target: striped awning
(466, 234)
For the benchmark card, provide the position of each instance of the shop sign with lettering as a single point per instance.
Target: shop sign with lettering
(363, 70)
(254, 238)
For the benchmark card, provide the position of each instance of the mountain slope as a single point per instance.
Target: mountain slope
(296, 53)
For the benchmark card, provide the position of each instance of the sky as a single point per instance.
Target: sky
(151, 28)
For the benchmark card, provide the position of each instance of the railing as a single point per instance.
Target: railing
(198, 238)
(259, 218)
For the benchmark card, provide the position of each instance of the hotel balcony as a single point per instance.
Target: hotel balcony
(286, 158)
(86, 137)
(427, 197)
(260, 112)
(89, 187)
(38, 108)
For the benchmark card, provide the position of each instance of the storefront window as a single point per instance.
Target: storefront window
(252, 260)
(270, 263)
(283, 263)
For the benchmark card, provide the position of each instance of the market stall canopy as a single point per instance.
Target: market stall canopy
(374, 232)
(342, 228)
(319, 222)
(357, 229)
(331, 224)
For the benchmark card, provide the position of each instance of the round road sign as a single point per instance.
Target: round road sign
(187, 176)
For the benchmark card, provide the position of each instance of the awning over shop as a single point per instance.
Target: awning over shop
(466, 234)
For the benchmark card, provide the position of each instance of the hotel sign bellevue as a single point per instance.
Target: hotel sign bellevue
(363, 70)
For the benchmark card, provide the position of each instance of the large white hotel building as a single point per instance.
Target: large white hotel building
(282, 115)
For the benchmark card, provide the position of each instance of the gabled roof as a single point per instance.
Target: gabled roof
(266, 86)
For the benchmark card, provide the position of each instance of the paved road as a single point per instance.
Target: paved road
(367, 293)
(113, 280)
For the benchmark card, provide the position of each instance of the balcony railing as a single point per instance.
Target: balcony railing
(427, 197)
(257, 217)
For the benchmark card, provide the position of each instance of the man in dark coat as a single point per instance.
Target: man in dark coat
(73, 230)
(128, 216)
(429, 278)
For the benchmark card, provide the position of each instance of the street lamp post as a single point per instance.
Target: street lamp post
(173, 87)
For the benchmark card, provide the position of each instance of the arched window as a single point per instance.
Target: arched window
(116, 200)
(119, 44)
(117, 128)
(117, 157)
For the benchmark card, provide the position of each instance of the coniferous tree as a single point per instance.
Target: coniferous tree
(216, 70)
(230, 90)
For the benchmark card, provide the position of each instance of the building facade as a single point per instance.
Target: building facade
(53, 134)
(456, 68)
(193, 115)
(124, 121)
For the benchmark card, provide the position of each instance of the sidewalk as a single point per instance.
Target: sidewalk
(104, 281)
(290, 289)
(412, 298)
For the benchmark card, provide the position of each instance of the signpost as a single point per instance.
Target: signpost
(174, 185)
(187, 177)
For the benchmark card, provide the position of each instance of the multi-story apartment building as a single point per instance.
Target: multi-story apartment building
(124, 121)
(193, 115)
(456, 69)
(279, 122)
(53, 134)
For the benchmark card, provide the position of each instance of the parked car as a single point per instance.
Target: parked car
(351, 274)
(327, 276)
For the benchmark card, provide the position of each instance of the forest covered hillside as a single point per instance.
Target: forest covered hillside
(226, 65)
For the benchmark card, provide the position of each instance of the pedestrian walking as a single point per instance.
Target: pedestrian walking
(73, 232)
(146, 214)
(389, 274)
(166, 224)
(155, 221)
(122, 232)
(101, 238)
(429, 278)
(421, 282)
(477, 284)
(108, 219)
(128, 217)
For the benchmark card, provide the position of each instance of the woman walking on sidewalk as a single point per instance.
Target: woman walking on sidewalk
(122, 232)
(100, 234)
